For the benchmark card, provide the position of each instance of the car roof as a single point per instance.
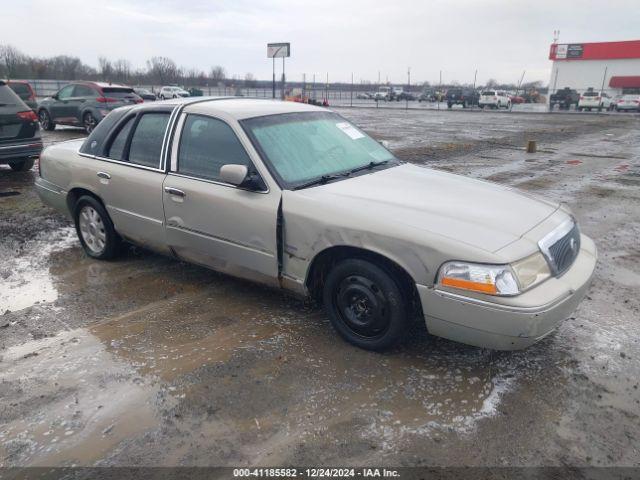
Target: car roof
(242, 108)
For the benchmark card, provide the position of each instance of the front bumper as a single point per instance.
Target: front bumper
(516, 322)
(21, 150)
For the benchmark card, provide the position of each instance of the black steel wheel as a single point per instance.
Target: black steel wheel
(365, 304)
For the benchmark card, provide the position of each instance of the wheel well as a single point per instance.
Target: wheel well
(75, 193)
(325, 260)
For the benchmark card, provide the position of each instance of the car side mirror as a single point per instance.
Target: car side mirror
(234, 174)
(54, 96)
(384, 143)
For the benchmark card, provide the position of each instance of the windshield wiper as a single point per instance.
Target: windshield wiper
(321, 180)
(369, 166)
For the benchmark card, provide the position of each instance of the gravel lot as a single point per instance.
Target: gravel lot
(148, 361)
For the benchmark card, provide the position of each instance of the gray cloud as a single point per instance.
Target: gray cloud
(499, 38)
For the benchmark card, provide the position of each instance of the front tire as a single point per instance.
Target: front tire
(45, 120)
(22, 165)
(365, 304)
(95, 229)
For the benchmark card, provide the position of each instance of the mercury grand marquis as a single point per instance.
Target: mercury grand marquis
(296, 197)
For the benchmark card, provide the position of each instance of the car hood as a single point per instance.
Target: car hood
(483, 214)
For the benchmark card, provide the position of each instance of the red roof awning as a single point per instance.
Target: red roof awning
(595, 51)
(625, 82)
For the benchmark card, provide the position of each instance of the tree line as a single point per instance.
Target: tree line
(158, 71)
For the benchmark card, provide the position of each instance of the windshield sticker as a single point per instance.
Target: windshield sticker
(350, 130)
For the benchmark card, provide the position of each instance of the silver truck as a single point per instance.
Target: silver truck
(296, 197)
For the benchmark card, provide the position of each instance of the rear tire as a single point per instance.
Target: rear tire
(89, 122)
(45, 120)
(22, 165)
(365, 304)
(95, 229)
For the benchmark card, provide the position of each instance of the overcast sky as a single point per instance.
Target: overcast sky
(499, 38)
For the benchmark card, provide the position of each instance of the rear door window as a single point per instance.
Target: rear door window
(206, 144)
(146, 143)
(84, 91)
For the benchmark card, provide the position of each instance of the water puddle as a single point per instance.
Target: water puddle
(24, 277)
(91, 401)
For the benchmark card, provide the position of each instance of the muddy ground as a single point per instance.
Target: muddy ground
(148, 361)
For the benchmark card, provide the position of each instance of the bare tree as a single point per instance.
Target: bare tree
(250, 80)
(492, 83)
(10, 60)
(162, 70)
(122, 70)
(106, 68)
(217, 74)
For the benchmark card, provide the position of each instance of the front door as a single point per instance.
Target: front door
(212, 223)
(62, 109)
(131, 179)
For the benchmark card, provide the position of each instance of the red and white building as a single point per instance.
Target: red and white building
(613, 67)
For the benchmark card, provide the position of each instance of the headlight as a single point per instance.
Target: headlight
(495, 279)
(531, 270)
(488, 279)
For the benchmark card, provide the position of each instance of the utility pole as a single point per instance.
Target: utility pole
(283, 78)
(475, 78)
(273, 83)
(439, 90)
(352, 89)
(406, 97)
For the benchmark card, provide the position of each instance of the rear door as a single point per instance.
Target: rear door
(130, 177)
(211, 222)
(82, 95)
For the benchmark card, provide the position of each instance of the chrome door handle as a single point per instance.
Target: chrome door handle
(104, 175)
(175, 191)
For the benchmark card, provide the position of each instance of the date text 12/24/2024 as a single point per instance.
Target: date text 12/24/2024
(315, 472)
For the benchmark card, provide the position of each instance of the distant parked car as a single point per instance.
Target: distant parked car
(461, 96)
(516, 99)
(405, 96)
(364, 95)
(494, 99)
(84, 104)
(172, 92)
(24, 90)
(20, 141)
(196, 92)
(146, 94)
(383, 93)
(592, 99)
(428, 95)
(628, 103)
(564, 99)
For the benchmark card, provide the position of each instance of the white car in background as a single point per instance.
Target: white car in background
(591, 99)
(628, 102)
(172, 92)
(494, 99)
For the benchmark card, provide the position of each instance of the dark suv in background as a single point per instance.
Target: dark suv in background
(462, 96)
(20, 141)
(84, 104)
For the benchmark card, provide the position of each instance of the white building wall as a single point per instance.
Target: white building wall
(583, 74)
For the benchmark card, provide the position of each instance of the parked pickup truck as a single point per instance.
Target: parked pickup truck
(564, 99)
(296, 197)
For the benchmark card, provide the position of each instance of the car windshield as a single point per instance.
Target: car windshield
(590, 94)
(22, 89)
(304, 146)
(117, 92)
(489, 93)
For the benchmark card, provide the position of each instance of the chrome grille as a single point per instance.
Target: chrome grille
(561, 247)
